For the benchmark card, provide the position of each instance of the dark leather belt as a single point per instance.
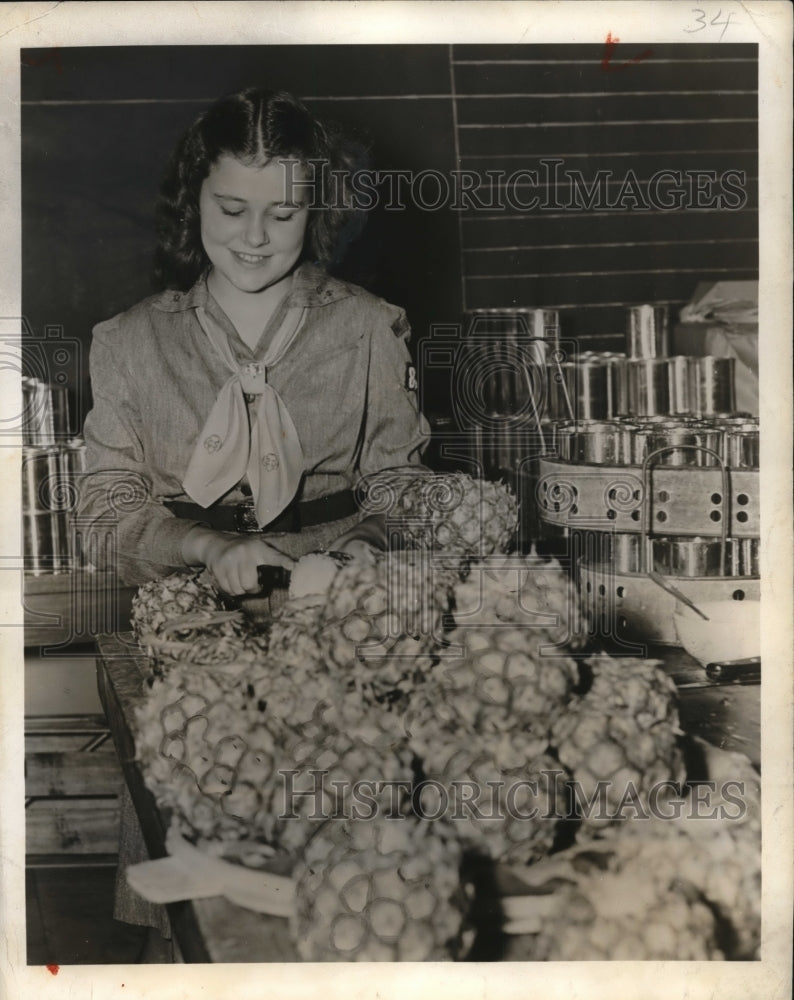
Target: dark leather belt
(241, 517)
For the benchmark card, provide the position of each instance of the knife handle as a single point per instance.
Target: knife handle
(749, 669)
(273, 578)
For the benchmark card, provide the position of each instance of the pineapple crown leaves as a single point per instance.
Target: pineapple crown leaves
(671, 857)
(157, 601)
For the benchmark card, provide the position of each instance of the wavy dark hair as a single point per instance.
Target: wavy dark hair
(256, 126)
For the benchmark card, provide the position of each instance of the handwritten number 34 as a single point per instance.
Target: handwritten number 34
(702, 23)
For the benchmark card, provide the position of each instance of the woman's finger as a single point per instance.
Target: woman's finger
(271, 556)
(230, 581)
(249, 577)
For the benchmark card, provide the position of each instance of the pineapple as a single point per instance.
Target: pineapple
(508, 814)
(331, 741)
(519, 590)
(666, 889)
(455, 514)
(293, 635)
(628, 914)
(382, 890)
(620, 740)
(313, 574)
(160, 601)
(204, 639)
(715, 846)
(505, 688)
(382, 623)
(333, 775)
(200, 756)
(481, 726)
(251, 750)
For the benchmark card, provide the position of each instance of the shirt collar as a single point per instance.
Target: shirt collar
(311, 286)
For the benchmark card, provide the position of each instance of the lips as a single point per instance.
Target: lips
(251, 259)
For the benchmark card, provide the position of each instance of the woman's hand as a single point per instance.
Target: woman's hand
(232, 559)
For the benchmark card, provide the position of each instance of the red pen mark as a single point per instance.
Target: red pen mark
(609, 50)
(53, 56)
(54, 969)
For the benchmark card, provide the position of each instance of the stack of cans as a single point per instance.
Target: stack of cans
(688, 441)
(51, 465)
(588, 387)
(501, 383)
(646, 408)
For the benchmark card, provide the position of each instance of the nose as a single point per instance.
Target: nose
(256, 231)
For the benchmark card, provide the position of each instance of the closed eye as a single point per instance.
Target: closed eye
(234, 214)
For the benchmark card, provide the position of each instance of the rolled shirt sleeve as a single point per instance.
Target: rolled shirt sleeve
(125, 528)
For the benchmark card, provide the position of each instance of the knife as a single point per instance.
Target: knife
(748, 670)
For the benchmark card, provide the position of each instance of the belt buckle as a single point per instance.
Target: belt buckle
(245, 518)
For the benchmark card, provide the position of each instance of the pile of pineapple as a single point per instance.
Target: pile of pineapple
(415, 723)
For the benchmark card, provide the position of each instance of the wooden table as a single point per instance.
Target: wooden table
(215, 930)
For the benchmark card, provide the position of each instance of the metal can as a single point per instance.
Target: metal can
(744, 557)
(46, 541)
(711, 385)
(638, 443)
(544, 327)
(564, 431)
(37, 420)
(647, 333)
(581, 390)
(41, 479)
(595, 443)
(678, 370)
(72, 465)
(686, 444)
(626, 549)
(742, 447)
(618, 385)
(59, 396)
(74, 452)
(502, 362)
(648, 387)
(687, 557)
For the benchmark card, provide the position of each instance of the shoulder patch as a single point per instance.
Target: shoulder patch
(401, 327)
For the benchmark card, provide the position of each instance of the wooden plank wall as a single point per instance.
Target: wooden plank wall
(679, 108)
(98, 124)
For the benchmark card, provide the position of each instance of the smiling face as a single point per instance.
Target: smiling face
(251, 230)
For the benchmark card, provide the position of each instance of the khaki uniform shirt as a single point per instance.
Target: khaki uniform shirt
(155, 377)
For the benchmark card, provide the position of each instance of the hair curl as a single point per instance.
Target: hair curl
(255, 126)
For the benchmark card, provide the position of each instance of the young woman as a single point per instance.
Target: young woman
(235, 411)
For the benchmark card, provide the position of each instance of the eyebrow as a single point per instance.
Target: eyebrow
(276, 204)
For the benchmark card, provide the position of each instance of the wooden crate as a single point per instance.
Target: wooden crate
(72, 785)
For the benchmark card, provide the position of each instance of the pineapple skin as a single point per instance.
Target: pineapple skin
(379, 891)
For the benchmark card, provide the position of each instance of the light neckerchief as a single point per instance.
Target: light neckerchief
(265, 447)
